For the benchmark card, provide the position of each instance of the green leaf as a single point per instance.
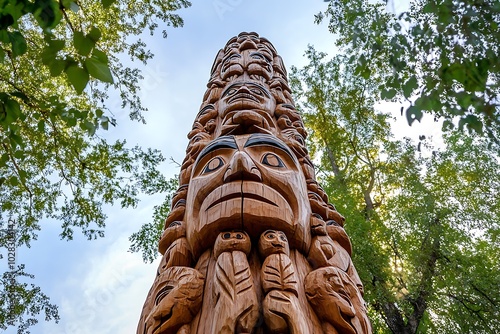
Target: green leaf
(387, 94)
(41, 126)
(21, 95)
(107, 3)
(98, 70)
(4, 36)
(410, 86)
(57, 67)
(413, 113)
(424, 103)
(16, 140)
(13, 110)
(13, 181)
(18, 42)
(47, 13)
(89, 127)
(82, 43)
(104, 123)
(22, 175)
(472, 122)
(3, 159)
(94, 34)
(78, 77)
(447, 125)
(100, 56)
(19, 154)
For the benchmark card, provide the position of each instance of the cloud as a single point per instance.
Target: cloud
(105, 294)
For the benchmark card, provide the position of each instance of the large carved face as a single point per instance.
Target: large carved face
(250, 183)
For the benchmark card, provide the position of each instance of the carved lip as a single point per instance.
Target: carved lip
(242, 196)
(243, 96)
(342, 293)
(250, 190)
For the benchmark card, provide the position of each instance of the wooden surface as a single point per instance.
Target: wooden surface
(251, 244)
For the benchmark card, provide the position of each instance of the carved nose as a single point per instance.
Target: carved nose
(241, 167)
(248, 44)
(244, 89)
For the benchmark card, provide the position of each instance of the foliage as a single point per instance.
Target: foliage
(59, 60)
(146, 239)
(18, 299)
(424, 225)
(441, 56)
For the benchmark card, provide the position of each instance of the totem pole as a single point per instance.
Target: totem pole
(251, 244)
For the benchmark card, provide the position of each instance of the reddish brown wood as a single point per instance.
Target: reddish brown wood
(251, 244)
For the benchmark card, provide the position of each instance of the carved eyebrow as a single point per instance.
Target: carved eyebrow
(260, 139)
(221, 142)
(264, 56)
(247, 83)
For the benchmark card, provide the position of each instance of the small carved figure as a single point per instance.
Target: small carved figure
(326, 252)
(174, 246)
(236, 298)
(282, 310)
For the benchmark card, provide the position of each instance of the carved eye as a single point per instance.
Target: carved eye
(257, 56)
(317, 216)
(213, 164)
(283, 238)
(300, 140)
(175, 223)
(230, 92)
(270, 236)
(256, 91)
(272, 160)
(239, 236)
(332, 222)
(226, 236)
(196, 138)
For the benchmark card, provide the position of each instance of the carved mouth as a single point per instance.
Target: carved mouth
(242, 196)
(243, 96)
(344, 295)
(158, 329)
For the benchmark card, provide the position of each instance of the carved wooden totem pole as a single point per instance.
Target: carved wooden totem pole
(251, 244)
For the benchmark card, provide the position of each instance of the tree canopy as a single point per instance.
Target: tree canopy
(441, 57)
(59, 61)
(424, 220)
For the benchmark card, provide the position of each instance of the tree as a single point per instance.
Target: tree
(439, 56)
(58, 61)
(424, 221)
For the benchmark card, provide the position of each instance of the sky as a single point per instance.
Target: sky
(99, 286)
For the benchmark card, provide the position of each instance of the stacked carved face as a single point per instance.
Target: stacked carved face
(246, 164)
